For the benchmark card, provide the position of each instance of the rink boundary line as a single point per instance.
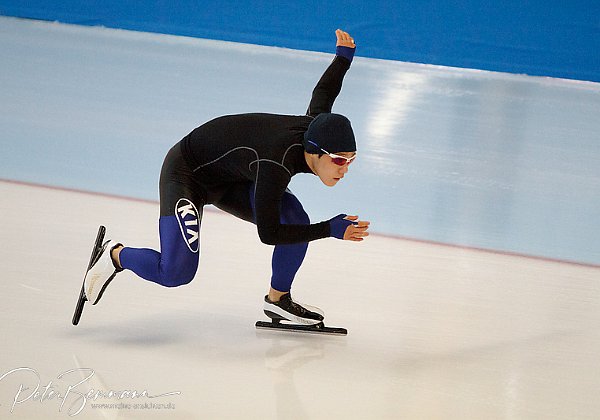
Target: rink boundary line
(489, 251)
(381, 235)
(80, 191)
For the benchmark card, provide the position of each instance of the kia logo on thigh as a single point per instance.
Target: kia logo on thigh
(187, 216)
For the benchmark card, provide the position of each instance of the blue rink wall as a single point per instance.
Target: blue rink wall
(551, 38)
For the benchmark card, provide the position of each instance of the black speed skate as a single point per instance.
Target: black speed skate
(288, 310)
(99, 273)
(303, 318)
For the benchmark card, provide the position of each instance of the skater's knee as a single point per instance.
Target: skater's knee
(175, 278)
(294, 214)
(170, 281)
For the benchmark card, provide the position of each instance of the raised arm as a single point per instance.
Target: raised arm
(330, 84)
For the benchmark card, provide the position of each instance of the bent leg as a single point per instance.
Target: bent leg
(287, 259)
(177, 262)
(179, 227)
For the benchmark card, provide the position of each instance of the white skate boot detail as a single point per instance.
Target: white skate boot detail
(312, 308)
(100, 274)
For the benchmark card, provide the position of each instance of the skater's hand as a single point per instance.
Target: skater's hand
(344, 39)
(348, 228)
(357, 231)
(345, 46)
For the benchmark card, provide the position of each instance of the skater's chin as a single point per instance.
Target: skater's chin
(331, 182)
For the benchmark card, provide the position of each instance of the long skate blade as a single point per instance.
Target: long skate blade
(82, 299)
(310, 329)
(79, 307)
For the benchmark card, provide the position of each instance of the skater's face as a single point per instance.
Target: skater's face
(328, 168)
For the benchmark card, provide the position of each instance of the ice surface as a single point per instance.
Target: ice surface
(434, 331)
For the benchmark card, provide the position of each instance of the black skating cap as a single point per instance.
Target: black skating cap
(331, 132)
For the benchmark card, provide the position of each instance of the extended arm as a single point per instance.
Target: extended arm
(330, 84)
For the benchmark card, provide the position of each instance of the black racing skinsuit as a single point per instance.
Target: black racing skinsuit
(226, 160)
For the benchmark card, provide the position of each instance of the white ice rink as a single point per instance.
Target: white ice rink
(435, 331)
